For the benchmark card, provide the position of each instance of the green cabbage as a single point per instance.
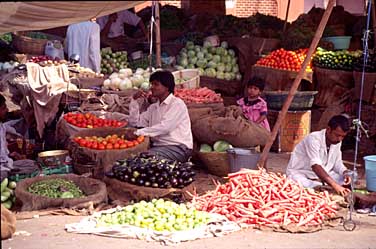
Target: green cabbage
(190, 45)
(192, 60)
(191, 53)
(205, 148)
(201, 71)
(228, 68)
(227, 76)
(221, 146)
(221, 67)
(200, 55)
(216, 58)
(220, 75)
(201, 63)
(224, 44)
(231, 52)
(207, 44)
(191, 66)
(210, 72)
(212, 64)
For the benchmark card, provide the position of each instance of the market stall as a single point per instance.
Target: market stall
(225, 142)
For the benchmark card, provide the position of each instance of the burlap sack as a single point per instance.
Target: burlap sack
(65, 130)
(125, 192)
(8, 223)
(331, 85)
(232, 127)
(94, 190)
(105, 158)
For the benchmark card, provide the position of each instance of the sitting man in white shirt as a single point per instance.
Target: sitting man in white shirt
(112, 29)
(318, 158)
(166, 122)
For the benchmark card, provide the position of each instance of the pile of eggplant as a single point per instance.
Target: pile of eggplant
(151, 171)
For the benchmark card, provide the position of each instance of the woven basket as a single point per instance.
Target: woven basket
(216, 162)
(192, 74)
(28, 45)
(301, 101)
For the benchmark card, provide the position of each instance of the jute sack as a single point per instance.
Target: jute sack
(125, 192)
(105, 158)
(94, 190)
(65, 130)
(232, 127)
(8, 223)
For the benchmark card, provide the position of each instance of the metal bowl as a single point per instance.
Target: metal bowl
(52, 158)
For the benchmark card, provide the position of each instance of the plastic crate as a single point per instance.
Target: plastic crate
(301, 101)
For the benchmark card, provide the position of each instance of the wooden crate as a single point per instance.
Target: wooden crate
(295, 126)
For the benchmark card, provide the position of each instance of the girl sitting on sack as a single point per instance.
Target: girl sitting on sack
(253, 106)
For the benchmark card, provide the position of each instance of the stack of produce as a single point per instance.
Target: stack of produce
(113, 61)
(7, 193)
(150, 171)
(84, 72)
(45, 60)
(218, 62)
(219, 146)
(126, 79)
(56, 188)
(285, 60)
(337, 60)
(110, 142)
(89, 120)
(198, 95)
(370, 64)
(8, 66)
(260, 198)
(158, 215)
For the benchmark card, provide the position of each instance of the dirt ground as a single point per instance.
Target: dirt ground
(48, 232)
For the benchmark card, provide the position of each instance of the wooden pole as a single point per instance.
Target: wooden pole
(296, 82)
(286, 17)
(373, 10)
(157, 36)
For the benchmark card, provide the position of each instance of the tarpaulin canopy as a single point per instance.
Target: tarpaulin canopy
(24, 16)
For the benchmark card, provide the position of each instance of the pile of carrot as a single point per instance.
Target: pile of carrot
(259, 198)
(198, 95)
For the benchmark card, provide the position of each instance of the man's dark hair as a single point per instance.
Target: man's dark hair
(257, 82)
(165, 78)
(2, 100)
(341, 121)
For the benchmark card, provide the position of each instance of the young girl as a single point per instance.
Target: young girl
(253, 106)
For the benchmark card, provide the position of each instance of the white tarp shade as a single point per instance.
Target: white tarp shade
(24, 16)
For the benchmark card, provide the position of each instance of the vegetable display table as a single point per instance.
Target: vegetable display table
(277, 79)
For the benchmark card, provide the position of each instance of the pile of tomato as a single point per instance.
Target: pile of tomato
(89, 120)
(285, 60)
(110, 142)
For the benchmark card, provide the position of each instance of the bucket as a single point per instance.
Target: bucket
(370, 162)
(242, 158)
(339, 42)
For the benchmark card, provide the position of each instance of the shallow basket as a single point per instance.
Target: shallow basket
(216, 162)
(301, 101)
(192, 74)
(27, 45)
(53, 158)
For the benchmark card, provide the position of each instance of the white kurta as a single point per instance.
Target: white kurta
(312, 150)
(84, 39)
(167, 123)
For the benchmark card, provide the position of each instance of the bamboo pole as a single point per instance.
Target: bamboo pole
(295, 85)
(286, 17)
(157, 36)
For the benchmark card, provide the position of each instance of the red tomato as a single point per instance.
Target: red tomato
(109, 146)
